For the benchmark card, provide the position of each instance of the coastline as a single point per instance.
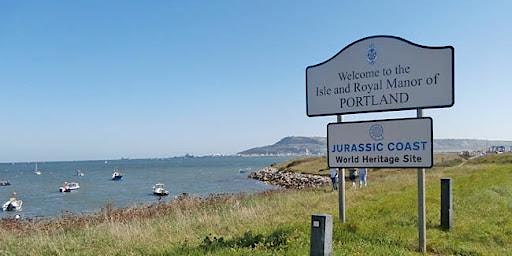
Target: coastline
(112, 214)
(290, 180)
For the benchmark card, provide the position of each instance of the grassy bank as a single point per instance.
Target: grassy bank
(318, 164)
(381, 221)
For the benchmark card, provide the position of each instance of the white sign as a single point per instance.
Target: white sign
(397, 143)
(381, 73)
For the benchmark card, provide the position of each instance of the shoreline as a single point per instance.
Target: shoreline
(283, 180)
(289, 180)
(112, 214)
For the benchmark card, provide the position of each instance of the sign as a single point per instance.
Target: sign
(381, 73)
(396, 143)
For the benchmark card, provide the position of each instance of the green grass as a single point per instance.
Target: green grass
(318, 164)
(381, 221)
(310, 165)
(505, 158)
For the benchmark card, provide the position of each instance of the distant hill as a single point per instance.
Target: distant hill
(291, 146)
(317, 146)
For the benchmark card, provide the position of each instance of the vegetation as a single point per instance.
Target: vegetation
(381, 221)
(310, 165)
(318, 164)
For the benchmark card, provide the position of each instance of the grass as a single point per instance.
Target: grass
(310, 165)
(381, 221)
(318, 164)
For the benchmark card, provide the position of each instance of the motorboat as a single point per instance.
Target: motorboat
(13, 204)
(4, 183)
(69, 186)
(116, 175)
(37, 171)
(79, 173)
(159, 190)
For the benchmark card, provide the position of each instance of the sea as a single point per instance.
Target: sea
(196, 176)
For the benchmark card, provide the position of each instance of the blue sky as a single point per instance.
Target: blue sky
(106, 79)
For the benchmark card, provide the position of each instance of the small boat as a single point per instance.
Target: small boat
(79, 173)
(36, 171)
(68, 187)
(117, 175)
(13, 204)
(159, 190)
(4, 183)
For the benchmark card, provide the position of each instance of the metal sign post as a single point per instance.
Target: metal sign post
(341, 187)
(422, 227)
(374, 74)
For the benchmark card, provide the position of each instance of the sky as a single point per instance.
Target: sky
(108, 79)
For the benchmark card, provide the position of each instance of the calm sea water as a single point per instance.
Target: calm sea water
(197, 176)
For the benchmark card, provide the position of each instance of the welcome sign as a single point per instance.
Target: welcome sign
(396, 143)
(381, 73)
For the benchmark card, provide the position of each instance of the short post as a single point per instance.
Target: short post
(446, 204)
(321, 235)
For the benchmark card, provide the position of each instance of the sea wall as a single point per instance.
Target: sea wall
(271, 175)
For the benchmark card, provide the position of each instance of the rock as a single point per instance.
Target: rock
(271, 175)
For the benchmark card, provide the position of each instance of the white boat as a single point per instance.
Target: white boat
(159, 190)
(4, 183)
(36, 171)
(69, 186)
(80, 173)
(116, 175)
(13, 204)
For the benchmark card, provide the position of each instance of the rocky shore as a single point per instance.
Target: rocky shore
(271, 175)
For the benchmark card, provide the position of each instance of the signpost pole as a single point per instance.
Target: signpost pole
(422, 235)
(341, 186)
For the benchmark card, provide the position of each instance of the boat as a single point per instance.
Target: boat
(80, 173)
(4, 183)
(69, 186)
(159, 190)
(36, 171)
(117, 175)
(13, 204)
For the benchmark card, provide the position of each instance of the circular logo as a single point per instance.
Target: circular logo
(376, 132)
(372, 54)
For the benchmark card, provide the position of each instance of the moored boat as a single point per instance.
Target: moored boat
(69, 186)
(117, 175)
(79, 173)
(4, 183)
(159, 190)
(37, 171)
(13, 204)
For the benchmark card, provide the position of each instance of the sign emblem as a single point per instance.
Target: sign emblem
(372, 53)
(376, 132)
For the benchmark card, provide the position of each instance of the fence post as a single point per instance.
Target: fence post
(446, 203)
